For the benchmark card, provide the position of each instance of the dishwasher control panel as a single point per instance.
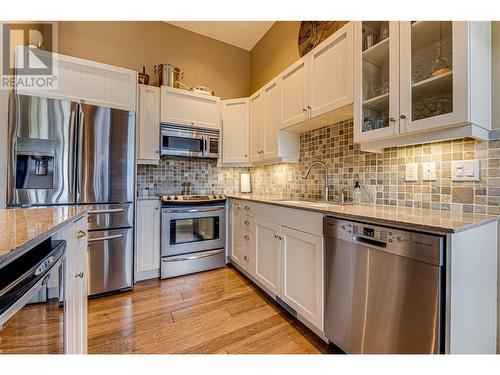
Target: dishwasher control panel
(423, 247)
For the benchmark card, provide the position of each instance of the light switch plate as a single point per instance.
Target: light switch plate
(465, 170)
(429, 171)
(411, 172)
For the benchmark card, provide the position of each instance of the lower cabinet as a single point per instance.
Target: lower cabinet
(287, 262)
(147, 247)
(76, 282)
(302, 286)
(267, 254)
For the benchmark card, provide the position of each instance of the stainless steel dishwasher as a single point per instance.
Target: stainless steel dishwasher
(383, 289)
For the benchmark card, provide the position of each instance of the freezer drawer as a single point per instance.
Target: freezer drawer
(110, 216)
(110, 260)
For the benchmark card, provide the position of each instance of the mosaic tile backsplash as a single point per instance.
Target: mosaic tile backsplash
(381, 175)
(203, 174)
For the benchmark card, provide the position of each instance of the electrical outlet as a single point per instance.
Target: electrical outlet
(411, 172)
(429, 171)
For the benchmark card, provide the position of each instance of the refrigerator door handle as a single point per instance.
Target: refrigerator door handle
(71, 165)
(81, 124)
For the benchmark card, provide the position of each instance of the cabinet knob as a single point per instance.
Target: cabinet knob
(247, 222)
(309, 107)
(247, 238)
(81, 234)
(80, 275)
(157, 152)
(392, 119)
(246, 155)
(157, 208)
(402, 116)
(304, 109)
(245, 257)
(247, 208)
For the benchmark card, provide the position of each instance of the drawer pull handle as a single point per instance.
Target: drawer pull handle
(81, 234)
(105, 238)
(106, 211)
(80, 275)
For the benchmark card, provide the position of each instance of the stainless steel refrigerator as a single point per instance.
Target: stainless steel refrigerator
(68, 153)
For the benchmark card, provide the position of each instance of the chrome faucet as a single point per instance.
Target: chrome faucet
(325, 167)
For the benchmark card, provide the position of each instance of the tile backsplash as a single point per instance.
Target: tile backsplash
(382, 175)
(203, 174)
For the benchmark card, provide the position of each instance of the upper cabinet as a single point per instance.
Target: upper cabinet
(235, 131)
(183, 107)
(421, 81)
(318, 89)
(148, 125)
(89, 81)
(268, 144)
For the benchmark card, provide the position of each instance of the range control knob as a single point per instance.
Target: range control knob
(176, 197)
(168, 197)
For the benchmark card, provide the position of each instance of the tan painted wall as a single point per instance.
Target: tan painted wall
(273, 53)
(205, 61)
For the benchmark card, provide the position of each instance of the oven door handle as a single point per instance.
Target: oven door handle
(192, 210)
(193, 257)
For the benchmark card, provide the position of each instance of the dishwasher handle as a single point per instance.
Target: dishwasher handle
(369, 241)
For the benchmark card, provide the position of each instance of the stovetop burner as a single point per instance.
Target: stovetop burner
(192, 199)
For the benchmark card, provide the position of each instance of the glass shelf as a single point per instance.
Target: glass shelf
(377, 54)
(377, 103)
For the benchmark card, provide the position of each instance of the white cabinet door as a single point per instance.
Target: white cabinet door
(183, 107)
(81, 290)
(148, 132)
(235, 130)
(294, 92)
(331, 73)
(302, 279)
(376, 82)
(95, 83)
(432, 96)
(75, 293)
(267, 254)
(270, 124)
(256, 127)
(147, 249)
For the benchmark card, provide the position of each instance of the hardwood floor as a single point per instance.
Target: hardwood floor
(217, 311)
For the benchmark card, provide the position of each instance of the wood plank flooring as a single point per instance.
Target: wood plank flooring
(217, 311)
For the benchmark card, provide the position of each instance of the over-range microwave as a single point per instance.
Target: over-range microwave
(188, 141)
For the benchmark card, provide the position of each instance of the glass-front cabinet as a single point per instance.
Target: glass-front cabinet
(433, 71)
(376, 65)
(417, 77)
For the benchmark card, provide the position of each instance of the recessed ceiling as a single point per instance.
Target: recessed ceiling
(243, 34)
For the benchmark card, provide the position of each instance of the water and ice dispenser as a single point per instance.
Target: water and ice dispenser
(34, 163)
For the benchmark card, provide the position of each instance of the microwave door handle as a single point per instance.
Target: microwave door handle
(205, 148)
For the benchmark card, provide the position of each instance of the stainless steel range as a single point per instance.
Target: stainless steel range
(193, 234)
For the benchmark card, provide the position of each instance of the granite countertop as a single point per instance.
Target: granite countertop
(417, 218)
(24, 228)
(147, 197)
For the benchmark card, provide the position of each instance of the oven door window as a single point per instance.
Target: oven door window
(194, 230)
(183, 144)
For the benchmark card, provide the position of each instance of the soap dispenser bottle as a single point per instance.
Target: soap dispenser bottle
(357, 192)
